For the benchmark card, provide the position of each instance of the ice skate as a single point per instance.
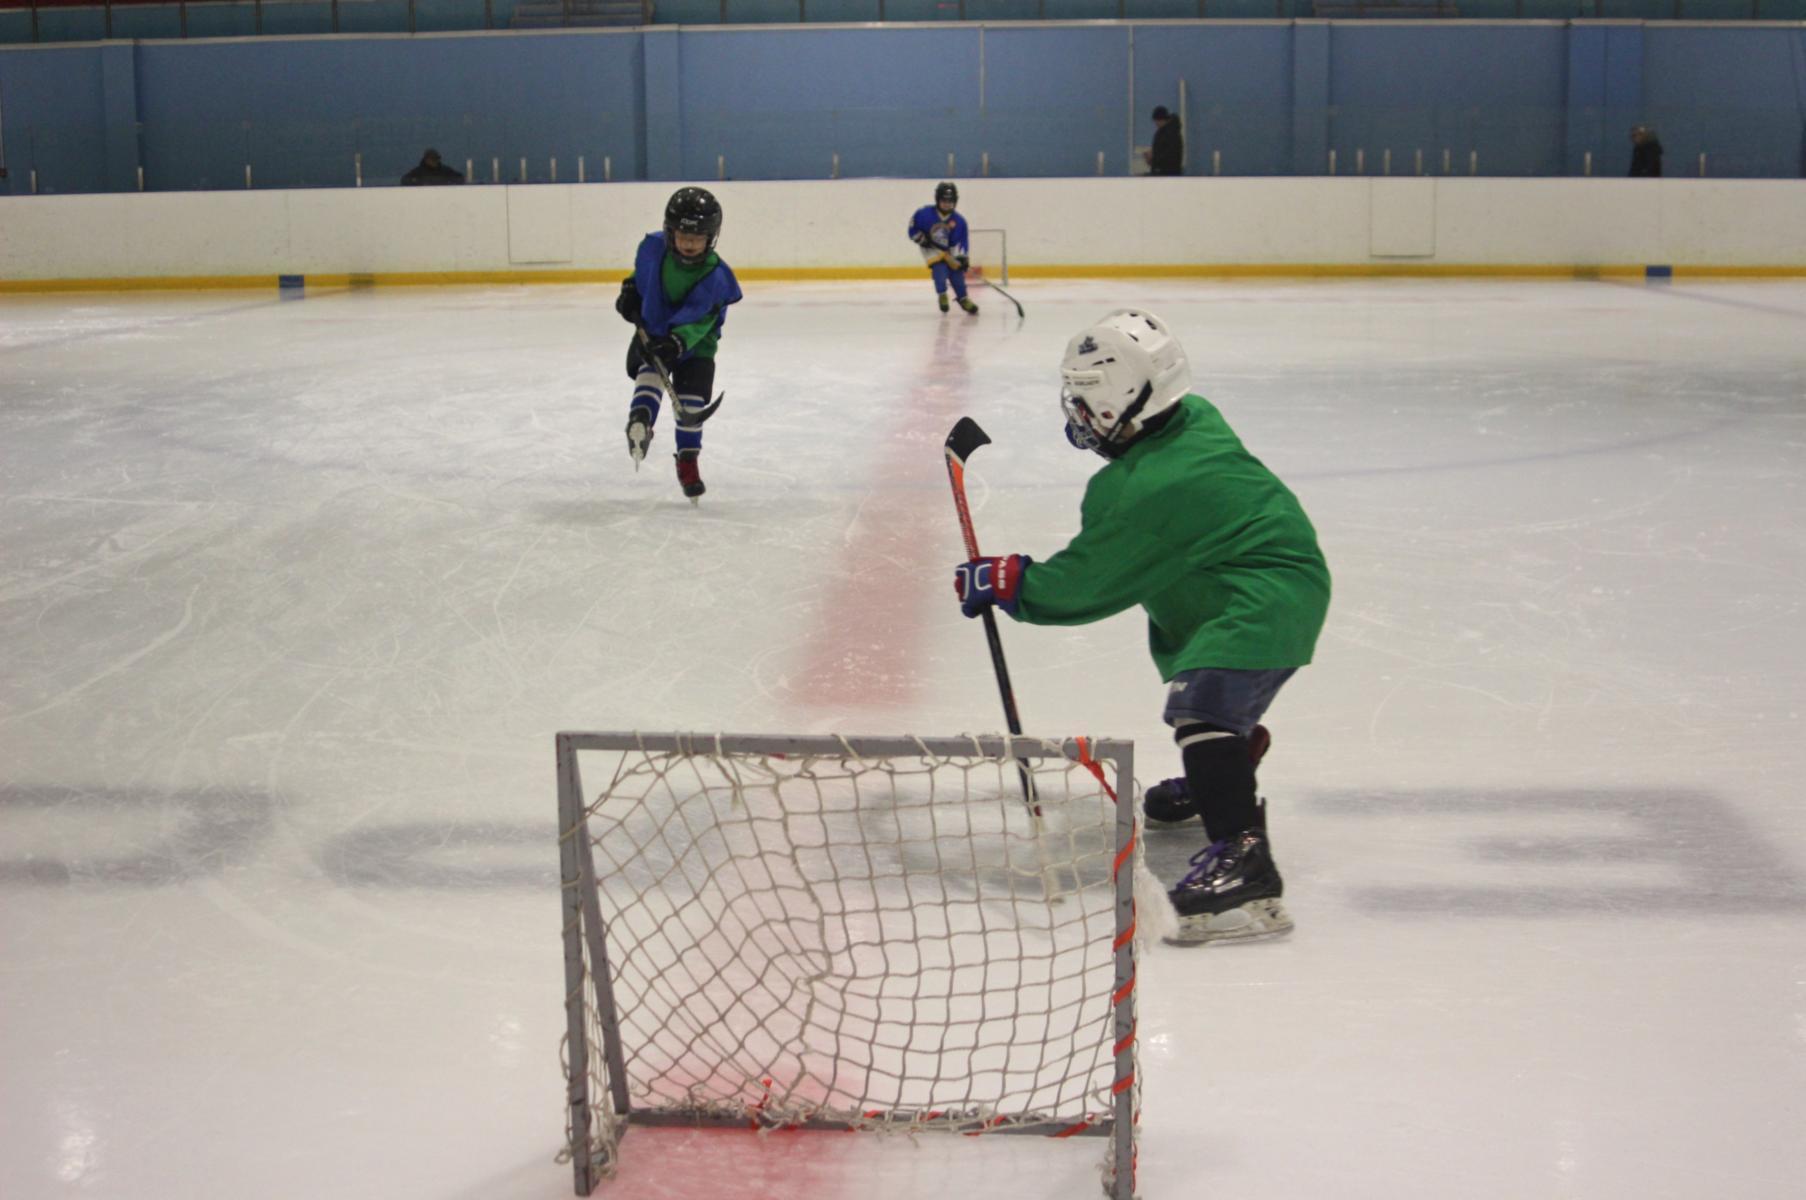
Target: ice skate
(966, 303)
(690, 475)
(1168, 804)
(1232, 894)
(941, 299)
(639, 434)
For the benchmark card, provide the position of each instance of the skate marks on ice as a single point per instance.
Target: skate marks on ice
(1668, 291)
(1548, 853)
(56, 835)
(445, 855)
(56, 323)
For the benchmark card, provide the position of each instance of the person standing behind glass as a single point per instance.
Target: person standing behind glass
(1167, 155)
(1645, 152)
(430, 171)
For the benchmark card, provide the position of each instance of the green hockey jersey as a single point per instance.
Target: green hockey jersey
(1205, 538)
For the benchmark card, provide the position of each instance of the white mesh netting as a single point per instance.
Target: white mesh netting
(887, 942)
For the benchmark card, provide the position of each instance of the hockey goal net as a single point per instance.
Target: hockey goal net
(881, 934)
(990, 254)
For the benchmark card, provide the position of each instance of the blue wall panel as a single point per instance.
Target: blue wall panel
(55, 120)
(660, 76)
(1501, 89)
(673, 103)
(1310, 99)
(780, 105)
(1736, 95)
(1039, 119)
(300, 111)
(1238, 81)
(71, 24)
(119, 116)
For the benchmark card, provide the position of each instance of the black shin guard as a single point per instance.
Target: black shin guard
(1220, 779)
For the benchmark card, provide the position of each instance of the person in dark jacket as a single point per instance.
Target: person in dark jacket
(429, 171)
(1167, 155)
(1645, 152)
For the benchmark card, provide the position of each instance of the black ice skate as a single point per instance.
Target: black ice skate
(689, 474)
(1168, 804)
(966, 303)
(639, 434)
(941, 298)
(1231, 894)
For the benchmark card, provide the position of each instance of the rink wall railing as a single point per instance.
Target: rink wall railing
(854, 229)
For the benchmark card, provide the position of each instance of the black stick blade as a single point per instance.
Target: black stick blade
(966, 438)
(702, 414)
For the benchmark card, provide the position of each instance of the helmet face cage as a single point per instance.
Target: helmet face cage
(692, 210)
(1086, 430)
(1081, 423)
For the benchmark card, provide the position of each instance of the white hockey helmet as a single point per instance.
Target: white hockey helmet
(1118, 374)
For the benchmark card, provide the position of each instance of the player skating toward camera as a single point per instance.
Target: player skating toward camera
(1184, 522)
(677, 300)
(941, 233)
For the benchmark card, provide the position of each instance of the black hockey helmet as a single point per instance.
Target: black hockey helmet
(946, 191)
(692, 210)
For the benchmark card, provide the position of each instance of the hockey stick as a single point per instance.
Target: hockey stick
(948, 257)
(1020, 315)
(664, 377)
(965, 439)
(952, 265)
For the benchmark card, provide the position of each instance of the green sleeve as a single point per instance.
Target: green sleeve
(1111, 565)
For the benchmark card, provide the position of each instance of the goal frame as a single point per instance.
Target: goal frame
(584, 925)
(1003, 251)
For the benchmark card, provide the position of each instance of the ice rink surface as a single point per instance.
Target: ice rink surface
(293, 596)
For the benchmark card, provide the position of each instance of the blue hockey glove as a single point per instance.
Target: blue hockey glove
(628, 302)
(667, 350)
(986, 581)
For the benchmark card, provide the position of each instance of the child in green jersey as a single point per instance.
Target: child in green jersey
(1184, 522)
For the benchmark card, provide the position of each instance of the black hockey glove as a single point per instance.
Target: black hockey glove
(961, 262)
(919, 238)
(667, 350)
(628, 302)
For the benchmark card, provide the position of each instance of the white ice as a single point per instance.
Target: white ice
(293, 596)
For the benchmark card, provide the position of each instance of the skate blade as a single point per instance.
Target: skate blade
(1190, 822)
(637, 438)
(1255, 921)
